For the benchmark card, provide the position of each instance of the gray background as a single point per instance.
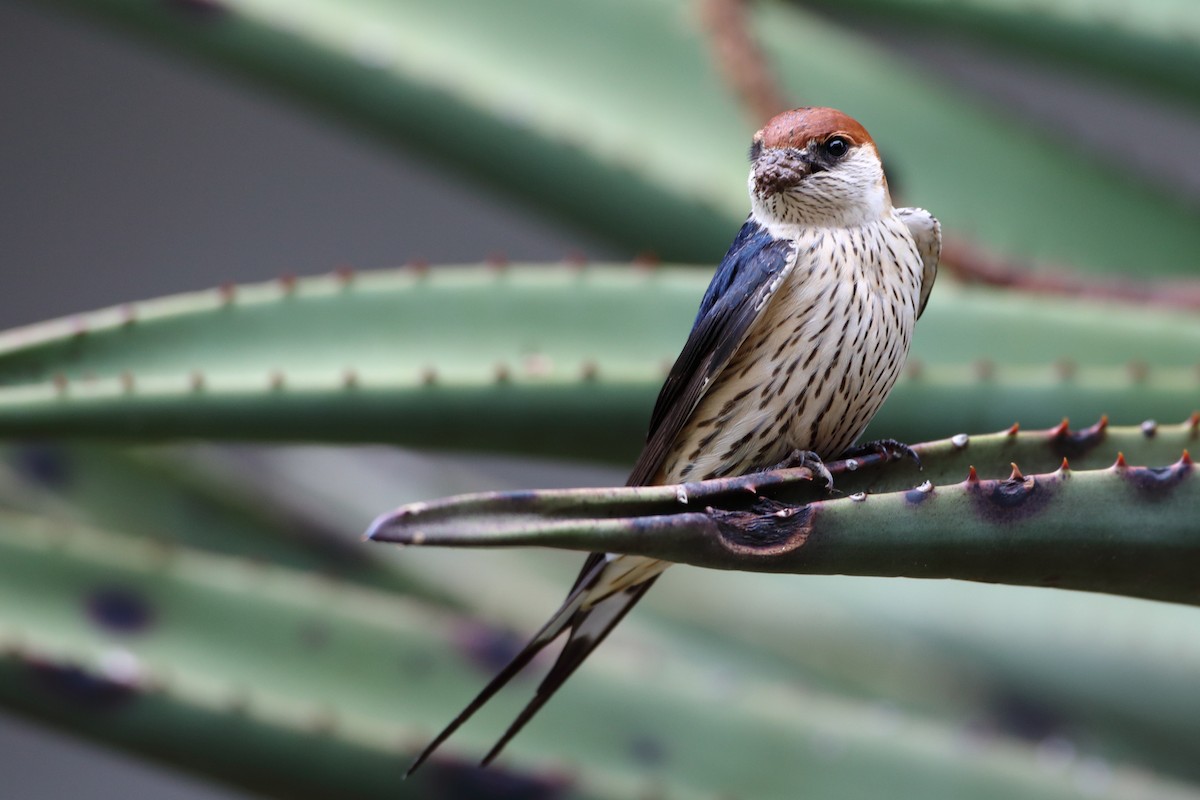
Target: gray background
(125, 174)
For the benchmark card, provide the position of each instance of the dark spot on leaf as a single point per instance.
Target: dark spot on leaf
(767, 528)
(44, 464)
(80, 687)
(1072, 444)
(1024, 717)
(452, 779)
(1011, 500)
(487, 648)
(915, 496)
(119, 610)
(523, 497)
(648, 751)
(1155, 483)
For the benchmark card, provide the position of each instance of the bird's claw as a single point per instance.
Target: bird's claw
(891, 449)
(810, 461)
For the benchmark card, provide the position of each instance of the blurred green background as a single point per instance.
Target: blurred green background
(160, 147)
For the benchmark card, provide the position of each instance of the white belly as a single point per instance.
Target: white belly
(815, 367)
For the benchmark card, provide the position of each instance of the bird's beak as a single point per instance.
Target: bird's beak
(778, 170)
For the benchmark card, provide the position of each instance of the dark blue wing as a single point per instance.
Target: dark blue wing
(742, 283)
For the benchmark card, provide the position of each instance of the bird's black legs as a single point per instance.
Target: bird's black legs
(890, 449)
(809, 460)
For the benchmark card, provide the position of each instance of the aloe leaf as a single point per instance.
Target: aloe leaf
(170, 500)
(1153, 48)
(1073, 672)
(1069, 529)
(289, 685)
(531, 360)
(528, 82)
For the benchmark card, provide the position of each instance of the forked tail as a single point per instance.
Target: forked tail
(591, 610)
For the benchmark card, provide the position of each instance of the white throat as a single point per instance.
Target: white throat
(851, 194)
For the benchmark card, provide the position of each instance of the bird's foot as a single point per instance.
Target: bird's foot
(810, 461)
(890, 449)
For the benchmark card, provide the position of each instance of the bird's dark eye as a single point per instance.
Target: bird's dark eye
(837, 147)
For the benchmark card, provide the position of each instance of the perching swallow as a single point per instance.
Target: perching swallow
(798, 341)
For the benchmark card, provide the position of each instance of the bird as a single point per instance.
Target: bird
(798, 340)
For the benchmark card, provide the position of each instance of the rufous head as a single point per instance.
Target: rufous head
(816, 167)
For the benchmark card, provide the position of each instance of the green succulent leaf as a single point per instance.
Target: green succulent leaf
(171, 500)
(1153, 49)
(528, 81)
(294, 685)
(1069, 529)
(552, 360)
(1105, 674)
